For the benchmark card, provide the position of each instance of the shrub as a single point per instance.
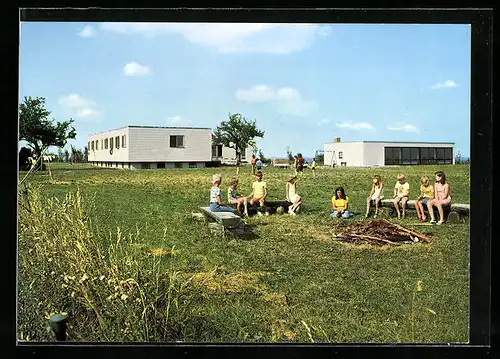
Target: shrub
(110, 290)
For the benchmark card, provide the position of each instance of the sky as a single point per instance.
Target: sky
(304, 84)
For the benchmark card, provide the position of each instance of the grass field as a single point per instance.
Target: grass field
(292, 283)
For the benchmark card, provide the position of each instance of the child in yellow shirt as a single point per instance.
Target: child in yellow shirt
(259, 191)
(340, 204)
(426, 194)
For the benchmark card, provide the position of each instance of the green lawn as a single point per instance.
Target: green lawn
(294, 282)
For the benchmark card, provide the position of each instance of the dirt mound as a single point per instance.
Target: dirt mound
(379, 232)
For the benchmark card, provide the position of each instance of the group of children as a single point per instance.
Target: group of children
(437, 195)
(258, 195)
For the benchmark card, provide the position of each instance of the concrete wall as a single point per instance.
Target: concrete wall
(153, 145)
(352, 153)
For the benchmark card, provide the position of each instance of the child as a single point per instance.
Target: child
(259, 164)
(313, 168)
(340, 203)
(254, 163)
(375, 195)
(300, 163)
(234, 198)
(426, 194)
(295, 164)
(401, 192)
(216, 204)
(441, 198)
(292, 196)
(259, 191)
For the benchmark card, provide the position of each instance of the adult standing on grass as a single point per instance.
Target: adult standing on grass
(401, 192)
(254, 163)
(295, 164)
(300, 163)
(292, 197)
(442, 197)
(216, 204)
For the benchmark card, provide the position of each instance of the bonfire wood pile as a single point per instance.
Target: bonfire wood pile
(380, 232)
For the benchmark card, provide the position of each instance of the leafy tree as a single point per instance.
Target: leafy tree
(85, 154)
(458, 158)
(289, 153)
(37, 130)
(24, 154)
(237, 133)
(60, 155)
(66, 156)
(262, 157)
(320, 158)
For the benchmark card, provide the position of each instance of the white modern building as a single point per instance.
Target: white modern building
(139, 147)
(380, 153)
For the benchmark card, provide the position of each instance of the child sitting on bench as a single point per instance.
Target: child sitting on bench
(216, 204)
(234, 198)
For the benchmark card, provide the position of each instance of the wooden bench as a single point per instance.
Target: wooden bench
(227, 219)
(452, 212)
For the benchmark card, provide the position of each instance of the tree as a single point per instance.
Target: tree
(85, 154)
(237, 133)
(37, 130)
(60, 155)
(66, 156)
(320, 158)
(24, 154)
(458, 158)
(262, 157)
(289, 153)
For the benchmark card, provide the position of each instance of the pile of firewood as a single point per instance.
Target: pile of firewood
(379, 232)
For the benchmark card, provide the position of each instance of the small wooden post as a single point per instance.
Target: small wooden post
(58, 325)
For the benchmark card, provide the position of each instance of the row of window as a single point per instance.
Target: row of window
(106, 143)
(418, 155)
(146, 165)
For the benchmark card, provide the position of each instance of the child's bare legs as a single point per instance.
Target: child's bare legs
(377, 201)
(430, 209)
(368, 204)
(419, 209)
(403, 204)
(440, 210)
(396, 206)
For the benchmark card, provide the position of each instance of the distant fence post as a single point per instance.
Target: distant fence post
(58, 325)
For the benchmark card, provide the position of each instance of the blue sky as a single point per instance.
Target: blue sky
(304, 84)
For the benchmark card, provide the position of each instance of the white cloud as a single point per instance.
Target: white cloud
(323, 121)
(404, 128)
(355, 126)
(287, 100)
(447, 83)
(74, 101)
(87, 31)
(174, 119)
(134, 69)
(79, 106)
(277, 38)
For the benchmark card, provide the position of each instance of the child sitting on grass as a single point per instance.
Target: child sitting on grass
(234, 198)
(340, 204)
(216, 204)
(401, 192)
(426, 194)
(259, 191)
(292, 197)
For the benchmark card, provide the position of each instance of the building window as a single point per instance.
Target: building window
(111, 143)
(244, 155)
(341, 155)
(216, 150)
(117, 142)
(145, 166)
(123, 141)
(88, 145)
(160, 165)
(193, 165)
(405, 154)
(177, 141)
(178, 164)
(96, 144)
(392, 155)
(92, 144)
(106, 143)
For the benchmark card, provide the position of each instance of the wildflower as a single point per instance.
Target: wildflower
(50, 259)
(52, 273)
(419, 286)
(124, 297)
(102, 277)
